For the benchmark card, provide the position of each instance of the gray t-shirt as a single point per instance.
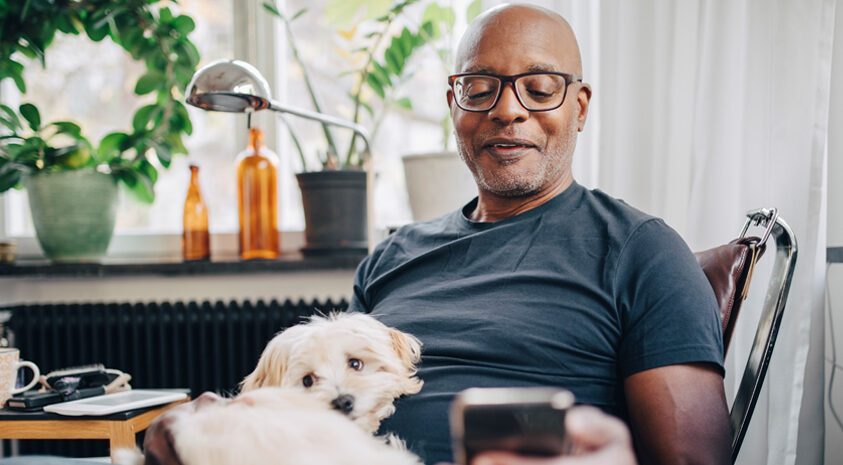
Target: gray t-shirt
(579, 293)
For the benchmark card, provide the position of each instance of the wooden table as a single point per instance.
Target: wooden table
(119, 429)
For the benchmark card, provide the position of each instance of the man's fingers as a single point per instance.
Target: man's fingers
(506, 458)
(591, 429)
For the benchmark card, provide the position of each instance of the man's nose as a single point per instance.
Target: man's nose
(344, 403)
(508, 109)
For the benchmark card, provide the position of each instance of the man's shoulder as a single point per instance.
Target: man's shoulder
(614, 216)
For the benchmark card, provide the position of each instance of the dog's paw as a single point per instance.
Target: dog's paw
(126, 456)
(392, 440)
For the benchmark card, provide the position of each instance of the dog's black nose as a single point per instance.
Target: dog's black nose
(344, 403)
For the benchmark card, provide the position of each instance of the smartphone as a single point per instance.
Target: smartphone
(526, 421)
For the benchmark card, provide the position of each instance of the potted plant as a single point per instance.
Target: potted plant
(334, 195)
(72, 182)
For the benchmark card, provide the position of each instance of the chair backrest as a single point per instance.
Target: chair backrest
(729, 269)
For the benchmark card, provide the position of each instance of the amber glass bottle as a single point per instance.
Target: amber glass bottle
(257, 195)
(196, 243)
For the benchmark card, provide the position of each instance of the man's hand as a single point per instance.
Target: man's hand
(678, 415)
(598, 439)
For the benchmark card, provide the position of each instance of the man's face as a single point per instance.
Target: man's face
(513, 152)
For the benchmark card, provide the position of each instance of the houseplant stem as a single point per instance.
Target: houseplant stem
(364, 73)
(332, 146)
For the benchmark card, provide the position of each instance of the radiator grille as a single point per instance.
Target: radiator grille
(204, 346)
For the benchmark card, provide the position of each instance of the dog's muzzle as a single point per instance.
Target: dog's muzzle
(343, 403)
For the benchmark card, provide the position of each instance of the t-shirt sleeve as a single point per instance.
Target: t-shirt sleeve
(362, 277)
(358, 298)
(667, 308)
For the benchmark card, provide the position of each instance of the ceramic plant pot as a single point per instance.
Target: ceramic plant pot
(334, 204)
(437, 183)
(73, 213)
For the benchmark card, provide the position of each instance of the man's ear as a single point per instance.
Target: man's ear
(583, 100)
(450, 96)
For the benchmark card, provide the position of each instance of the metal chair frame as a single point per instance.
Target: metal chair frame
(771, 317)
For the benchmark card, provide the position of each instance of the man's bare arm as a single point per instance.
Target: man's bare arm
(679, 415)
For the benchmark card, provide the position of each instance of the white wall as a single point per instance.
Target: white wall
(834, 314)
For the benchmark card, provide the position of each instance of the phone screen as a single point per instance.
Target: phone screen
(526, 421)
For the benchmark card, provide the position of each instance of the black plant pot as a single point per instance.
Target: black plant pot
(334, 212)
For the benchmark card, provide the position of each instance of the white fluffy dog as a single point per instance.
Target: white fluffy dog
(319, 391)
(350, 361)
(275, 426)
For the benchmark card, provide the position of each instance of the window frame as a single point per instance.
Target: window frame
(250, 24)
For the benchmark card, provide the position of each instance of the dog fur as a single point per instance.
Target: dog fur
(358, 367)
(323, 349)
(278, 426)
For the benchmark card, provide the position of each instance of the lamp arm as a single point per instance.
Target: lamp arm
(327, 119)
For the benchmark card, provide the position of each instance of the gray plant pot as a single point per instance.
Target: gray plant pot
(334, 205)
(73, 213)
(437, 183)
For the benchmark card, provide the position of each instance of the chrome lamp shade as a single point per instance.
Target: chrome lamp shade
(236, 86)
(229, 85)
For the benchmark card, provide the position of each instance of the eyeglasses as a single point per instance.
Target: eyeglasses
(536, 91)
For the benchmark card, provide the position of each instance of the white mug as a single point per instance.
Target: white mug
(9, 366)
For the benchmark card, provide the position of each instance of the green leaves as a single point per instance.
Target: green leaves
(345, 13)
(149, 82)
(382, 76)
(270, 7)
(140, 185)
(30, 113)
(183, 24)
(68, 128)
(13, 70)
(9, 178)
(152, 34)
(145, 117)
(112, 145)
(9, 119)
(436, 14)
(474, 9)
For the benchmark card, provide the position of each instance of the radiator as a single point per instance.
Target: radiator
(204, 346)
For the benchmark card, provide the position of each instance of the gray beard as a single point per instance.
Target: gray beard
(512, 186)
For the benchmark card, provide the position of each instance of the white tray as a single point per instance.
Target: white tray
(113, 403)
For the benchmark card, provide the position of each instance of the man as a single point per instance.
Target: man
(540, 281)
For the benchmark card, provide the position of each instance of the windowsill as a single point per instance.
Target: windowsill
(114, 267)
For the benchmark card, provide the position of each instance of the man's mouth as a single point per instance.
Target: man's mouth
(508, 149)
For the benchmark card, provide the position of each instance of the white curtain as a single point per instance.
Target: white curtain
(703, 110)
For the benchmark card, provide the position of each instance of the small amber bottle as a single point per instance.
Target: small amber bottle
(196, 242)
(257, 195)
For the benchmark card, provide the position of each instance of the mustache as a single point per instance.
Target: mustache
(482, 138)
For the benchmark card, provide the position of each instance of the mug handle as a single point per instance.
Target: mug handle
(36, 374)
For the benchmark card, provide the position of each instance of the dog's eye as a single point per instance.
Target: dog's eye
(355, 364)
(307, 381)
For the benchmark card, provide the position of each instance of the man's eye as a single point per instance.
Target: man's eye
(355, 364)
(479, 96)
(308, 381)
(539, 94)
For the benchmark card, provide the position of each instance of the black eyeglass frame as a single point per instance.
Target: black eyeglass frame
(569, 79)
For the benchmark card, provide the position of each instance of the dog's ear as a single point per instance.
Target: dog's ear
(407, 347)
(270, 369)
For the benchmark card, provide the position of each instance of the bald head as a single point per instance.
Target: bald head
(522, 26)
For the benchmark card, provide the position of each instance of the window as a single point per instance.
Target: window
(92, 83)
